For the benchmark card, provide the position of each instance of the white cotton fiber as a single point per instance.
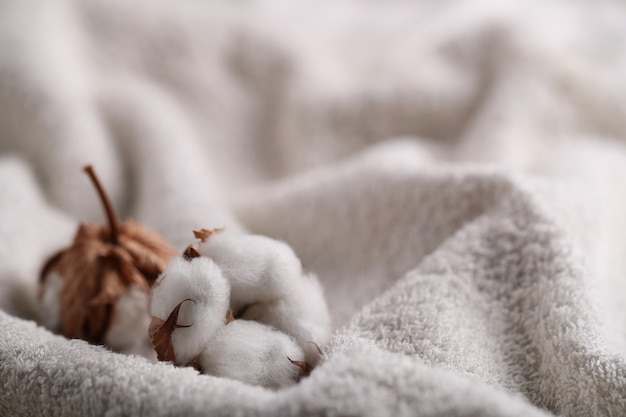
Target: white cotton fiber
(130, 319)
(49, 314)
(301, 313)
(258, 268)
(268, 285)
(254, 353)
(198, 279)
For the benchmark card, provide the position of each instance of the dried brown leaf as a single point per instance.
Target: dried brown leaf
(204, 234)
(191, 253)
(149, 251)
(229, 316)
(317, 347)
(155, 325)
(160, 333)
(305, 368)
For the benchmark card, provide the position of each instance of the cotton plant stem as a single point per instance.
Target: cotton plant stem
(108, 207)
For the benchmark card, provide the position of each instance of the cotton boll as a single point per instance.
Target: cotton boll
(302, 313)
(258, 268)
(99, 266)
(200, 280)
(254, 353)
(49, 306)
(269, 286)
(130, 319)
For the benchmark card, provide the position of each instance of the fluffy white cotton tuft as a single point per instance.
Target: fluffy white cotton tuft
(130, 319)
(258, 268)
(269, 286)
(301, 313)
(254, 353)
(49, 307)
(283, 319)
(198, 279)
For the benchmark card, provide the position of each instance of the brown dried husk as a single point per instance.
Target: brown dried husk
(160, 332)
(204, 234)
(96, 273)
(305, 368)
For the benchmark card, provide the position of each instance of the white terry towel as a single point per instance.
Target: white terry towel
(452, 171)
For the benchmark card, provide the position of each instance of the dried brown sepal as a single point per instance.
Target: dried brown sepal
(229, 316)
(191, 253)
(195, 365)
(100, 266)
(305, 368)
(204, 234)
(160, 333)
(150, 252)
(319, 350)
(155, 324)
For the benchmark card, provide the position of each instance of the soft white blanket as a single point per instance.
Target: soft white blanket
(454, 172)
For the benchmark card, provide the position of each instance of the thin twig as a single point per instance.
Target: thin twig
(108, 207)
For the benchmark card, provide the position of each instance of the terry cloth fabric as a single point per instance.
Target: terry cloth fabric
(454, 173)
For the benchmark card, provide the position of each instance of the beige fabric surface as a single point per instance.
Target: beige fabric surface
(454, 173)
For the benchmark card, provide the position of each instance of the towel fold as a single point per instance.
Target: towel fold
(452, 172)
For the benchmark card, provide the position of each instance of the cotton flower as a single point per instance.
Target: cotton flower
(202, 293)
(254, 353)
(129, 317)
(268, 285)
(258, 268)
(301, 313)
(281, 315)
(97, 288)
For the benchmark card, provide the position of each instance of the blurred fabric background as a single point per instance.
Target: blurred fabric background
(454, 173)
